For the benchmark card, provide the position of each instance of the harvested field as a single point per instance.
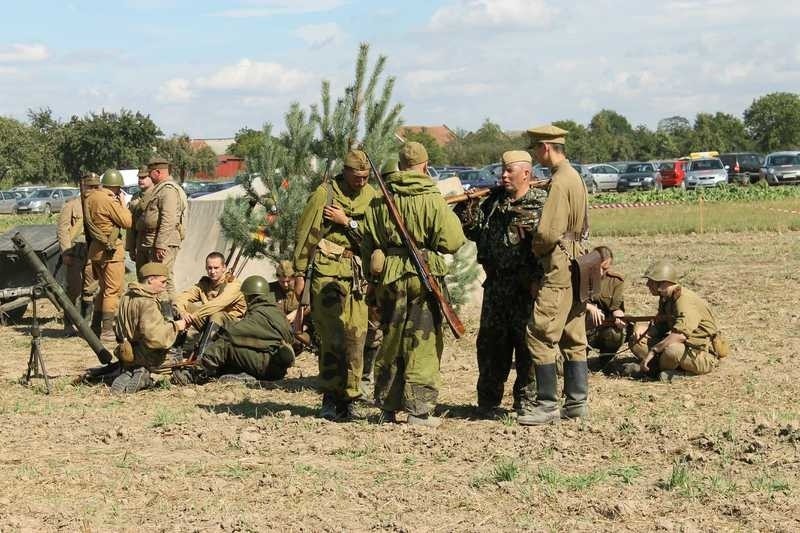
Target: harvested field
(720, 452)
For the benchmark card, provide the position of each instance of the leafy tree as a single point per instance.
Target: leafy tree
(19, 157)
(48, 135)
(579, 146)
(187, 160)
(675, 125)
(436, 153)
(773, 121)
(102, 140)
(246, 143)
(481, 147)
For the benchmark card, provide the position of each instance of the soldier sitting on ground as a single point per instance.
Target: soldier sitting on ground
(146, 334)
(217, 296)
(260, 344)
(684, 339)
(605, 331)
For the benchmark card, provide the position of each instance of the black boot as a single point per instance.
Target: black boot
(546, 409)
(328, 410)
(87, 310)
(576, 389)
(97, 320)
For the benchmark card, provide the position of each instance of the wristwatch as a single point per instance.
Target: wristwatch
(352, 224)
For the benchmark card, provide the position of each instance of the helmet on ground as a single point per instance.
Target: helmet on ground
(662, 271)
(112, 178)
(255, 285)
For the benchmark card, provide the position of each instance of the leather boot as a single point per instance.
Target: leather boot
(107, 335)
(576, 389)
(328, 410)
(546, 409)
(97, 320)
(87, 310)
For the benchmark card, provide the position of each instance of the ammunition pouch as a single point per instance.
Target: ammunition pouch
(332, 250)
(124, 352)
(377, 262)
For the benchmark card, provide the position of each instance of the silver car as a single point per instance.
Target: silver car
(781, 167)
(601, 178)
(45, 201)
(8, 199)
(707, 172)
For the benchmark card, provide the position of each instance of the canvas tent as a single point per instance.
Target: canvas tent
(204, 235)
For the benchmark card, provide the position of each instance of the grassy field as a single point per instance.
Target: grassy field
(9, 221)
(716, 453)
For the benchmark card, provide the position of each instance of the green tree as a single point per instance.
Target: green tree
(246, 143)
(107, 140)
(19, 156)
(436, 154)
(612, 136)
(773, 121)
(579, 146)
(187, 160)
(48, 135)
(481, 147)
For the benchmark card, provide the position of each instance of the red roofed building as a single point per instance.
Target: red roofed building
(228, 166)
(442, 134)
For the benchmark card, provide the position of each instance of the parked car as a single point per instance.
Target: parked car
(601, 177)
(473, 179)
(45, 201)
(782, 167)
(672, 174)
(27, 190)
(706, 172)
(8, 199)
(213, 187)
(638, 176)
(620, 165)
(742, 167)
(541, 173)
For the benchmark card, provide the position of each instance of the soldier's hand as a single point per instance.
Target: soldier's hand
(335, 214)
(161, 253)
(299, 285)
(180, 325)
(596, 316)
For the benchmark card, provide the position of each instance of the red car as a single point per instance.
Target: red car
(672, 174)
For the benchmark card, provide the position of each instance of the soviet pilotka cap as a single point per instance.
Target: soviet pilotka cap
(516, 156)
(157, 163)
(284, 268)
(547, 134)
(153, 269)
(412, 153)
(357, 160)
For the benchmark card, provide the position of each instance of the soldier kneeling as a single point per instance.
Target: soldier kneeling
(260, 344)
(143, 333)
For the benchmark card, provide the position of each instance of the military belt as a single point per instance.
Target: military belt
(571, 236)
(402, 251)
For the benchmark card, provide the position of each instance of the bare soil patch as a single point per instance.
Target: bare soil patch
(706, 454)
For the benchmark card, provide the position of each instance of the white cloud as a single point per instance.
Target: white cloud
(248, 74)
(24, 52)
(269, 8)
(319, 35)
(492, 14)
(175, 91)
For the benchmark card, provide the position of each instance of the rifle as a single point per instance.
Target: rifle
(471, 194)
(421, 266)
(206, 338)
(628, 319)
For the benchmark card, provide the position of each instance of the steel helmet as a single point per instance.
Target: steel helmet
(255, 285)
(112, 178)
(662, 271)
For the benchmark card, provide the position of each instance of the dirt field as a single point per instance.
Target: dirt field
(707, 454)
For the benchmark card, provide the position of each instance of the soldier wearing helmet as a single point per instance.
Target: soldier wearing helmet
(106, 217)
(260, 344)
(684, 339)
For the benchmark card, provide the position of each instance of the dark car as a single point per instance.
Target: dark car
(742, 167)
(638, 176)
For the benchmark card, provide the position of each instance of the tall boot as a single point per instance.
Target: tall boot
(328, 409)
(97, 320)
(87, 310)
(546, 409)
(576, 389)
(107, 335)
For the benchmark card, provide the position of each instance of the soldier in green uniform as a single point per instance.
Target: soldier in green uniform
(605, 331)
(503, 229)
(684, 339)
(329, 234)
(558, 322)
(407, 365)
(260, 344)
(282, 289)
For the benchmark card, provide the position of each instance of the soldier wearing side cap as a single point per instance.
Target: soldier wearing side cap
(684, 339)
(329, 234)
(161, 224)
(502, 228)
(558, 320)
(407, 373)
(139, 198)
(145, 334)
(282, 289)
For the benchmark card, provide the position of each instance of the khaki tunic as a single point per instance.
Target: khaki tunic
(557, 321)
(285, 300)
(141, 323)
(162, 216)
(612, 293)
(72, 242)
(218, 302)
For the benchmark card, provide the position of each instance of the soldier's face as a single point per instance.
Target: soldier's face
(145, 182)
(286, 282)
(215, 268)
(356, 180)
(157, 284)
(657, 288)
(515, 177)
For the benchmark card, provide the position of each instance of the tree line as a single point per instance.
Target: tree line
(47, 150)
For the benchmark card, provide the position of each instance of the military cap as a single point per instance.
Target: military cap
(143, 172)
(284, 268)
(357, 160)
(547, 134)
(90, 179)
(157, 162)
(413, 153)
(153, 269)
(516, 156)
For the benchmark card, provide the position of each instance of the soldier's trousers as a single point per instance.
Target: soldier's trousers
(111, 277)
(224, 358)
(81, 283)
(605, 339)
(340, 321)
(505, 312)
(557, 323)
(407, 366)
(371, 346)
(146, 255)
(677, 356)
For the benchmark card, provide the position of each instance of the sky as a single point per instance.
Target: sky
(208, 68)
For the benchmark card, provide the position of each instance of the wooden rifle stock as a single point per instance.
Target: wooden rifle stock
(628, 319)
(486, 191)
(424, 272)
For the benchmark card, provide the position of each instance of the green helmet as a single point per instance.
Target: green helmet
(255, 285)
(112, 178)
(662, 271)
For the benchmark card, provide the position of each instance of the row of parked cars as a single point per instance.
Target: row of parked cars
(35, 199)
